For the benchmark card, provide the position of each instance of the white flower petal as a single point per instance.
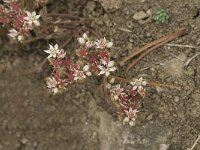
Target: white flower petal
(111, 64)
(107, 73)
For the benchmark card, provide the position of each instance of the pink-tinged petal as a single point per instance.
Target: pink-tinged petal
(26, 18)
(103, 62)
(126, 112)
(134, 88)
(28, 13)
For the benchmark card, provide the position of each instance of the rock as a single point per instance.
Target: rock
(164, 146)
(141, 15)
(35, 144)
(176, 98)
(149, 117)
(91, 6)
(159, 89)
(24, 141)
(148, 12)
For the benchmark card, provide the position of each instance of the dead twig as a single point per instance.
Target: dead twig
(153, 65)
(155, 42)
(195, 143)
(173, 55)
(158, 44)
(181, 46)
(124, 29)
(190, 60)
(170, 86)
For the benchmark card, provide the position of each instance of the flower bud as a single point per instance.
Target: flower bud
(81, 41)
(88, 73)
(131, 123)
(109, 44)
(116, 97)
(86, 68)
(55, 90)
(112, 80)
(108, 86)
(85, 36)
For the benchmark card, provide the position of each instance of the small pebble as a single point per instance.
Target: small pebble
(176, 99)
(24, 141)
(140, 15)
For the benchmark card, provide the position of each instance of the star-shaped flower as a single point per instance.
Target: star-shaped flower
(52, 51)
(138, 85)
(106, 67)
(32, 18)
(102, 43)
(51, 82)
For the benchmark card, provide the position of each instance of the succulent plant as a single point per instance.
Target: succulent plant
(161, 16)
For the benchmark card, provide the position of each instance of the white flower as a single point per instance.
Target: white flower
(16, 35)
(138, 84)
(131, 113)
(89, 44)
(13, 33)
(102, 43)
(51, 82)
(79, 75)
(32, 18)
(116, 92)
(131, 116)
(52, 51)
(107, 67)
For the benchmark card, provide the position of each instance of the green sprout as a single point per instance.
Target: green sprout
(161, 16)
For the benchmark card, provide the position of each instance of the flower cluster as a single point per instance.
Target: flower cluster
(93, 58)
(17, 19)
(128, 99)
